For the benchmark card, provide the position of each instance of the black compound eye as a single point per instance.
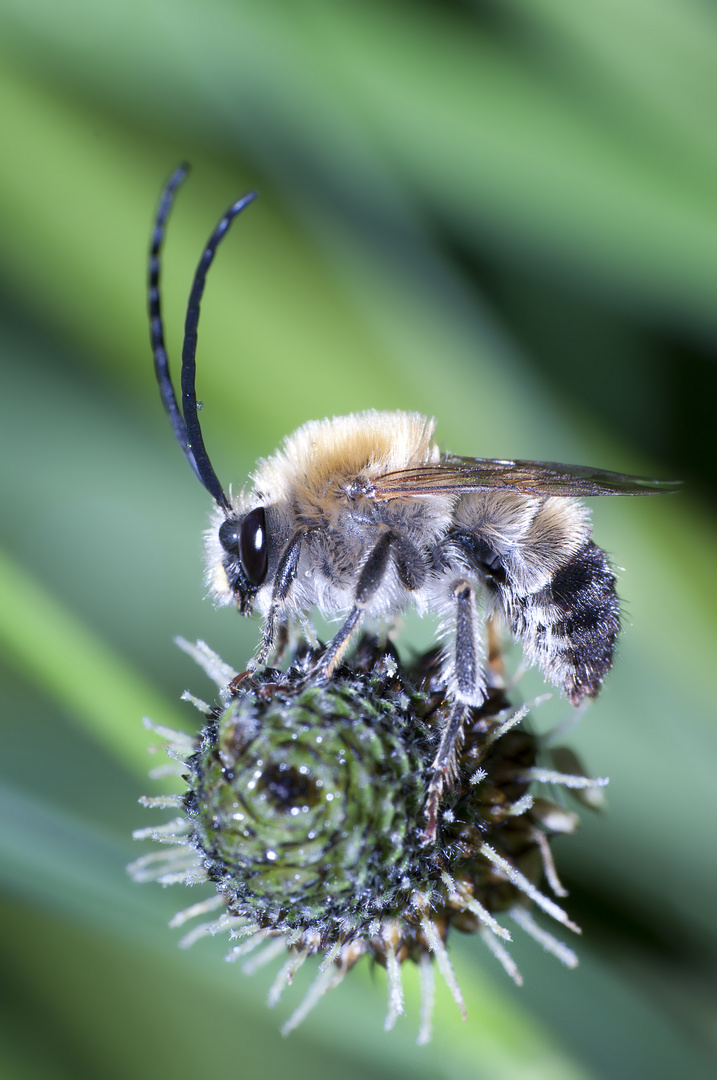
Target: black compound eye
(253, 552)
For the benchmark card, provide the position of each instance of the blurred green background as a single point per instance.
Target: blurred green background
(500, 213)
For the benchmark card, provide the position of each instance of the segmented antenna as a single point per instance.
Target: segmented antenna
(156, 325)
(185, 421)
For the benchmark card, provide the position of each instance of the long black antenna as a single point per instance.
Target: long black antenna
(195, 441)
(185, 421)
(156, 325)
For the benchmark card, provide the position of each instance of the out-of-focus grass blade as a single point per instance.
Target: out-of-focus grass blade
(495, 144)
(649, 63)
(51, 647)
(272, 312)
(502, 150)
(497, 147)
(384, 332)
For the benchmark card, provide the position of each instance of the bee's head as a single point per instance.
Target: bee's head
(243, 554)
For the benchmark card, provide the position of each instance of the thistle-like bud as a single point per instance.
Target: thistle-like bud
(305, 808)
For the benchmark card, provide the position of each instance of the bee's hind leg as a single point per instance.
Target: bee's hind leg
(444, 767)
(466, 685)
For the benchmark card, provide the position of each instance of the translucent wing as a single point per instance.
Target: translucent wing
(462, 475)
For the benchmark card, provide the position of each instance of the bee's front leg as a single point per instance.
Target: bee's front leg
(285, 574)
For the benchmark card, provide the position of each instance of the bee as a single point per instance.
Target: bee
(362, 516)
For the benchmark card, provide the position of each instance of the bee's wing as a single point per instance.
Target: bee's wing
(460, 476)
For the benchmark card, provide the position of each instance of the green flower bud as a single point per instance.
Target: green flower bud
(303, 797)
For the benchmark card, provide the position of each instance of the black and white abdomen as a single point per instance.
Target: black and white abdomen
(570, 626)
(553, 586)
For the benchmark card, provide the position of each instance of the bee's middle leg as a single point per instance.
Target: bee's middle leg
(370, 579)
